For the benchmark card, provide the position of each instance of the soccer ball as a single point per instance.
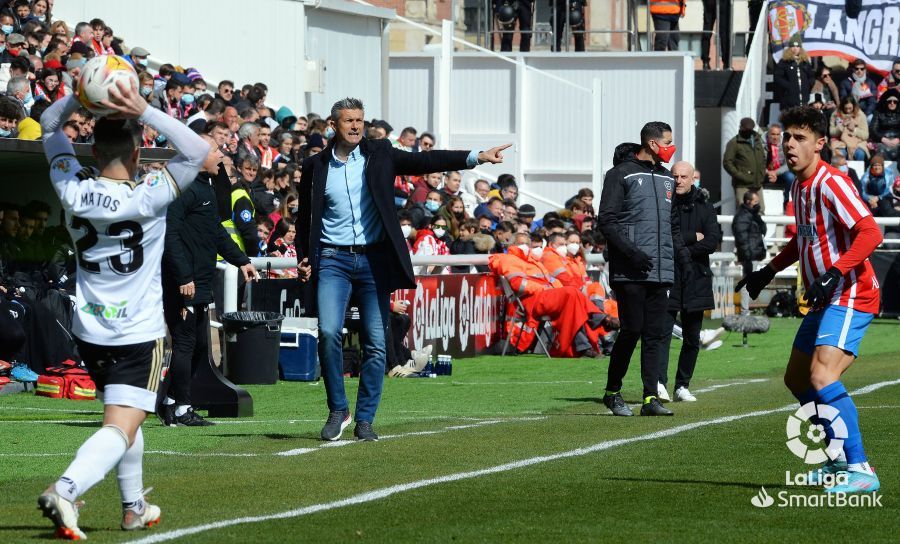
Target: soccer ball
(97, 76)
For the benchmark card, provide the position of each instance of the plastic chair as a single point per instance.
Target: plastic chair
(520, 317)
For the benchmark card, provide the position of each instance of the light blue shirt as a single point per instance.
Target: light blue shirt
(350, 217)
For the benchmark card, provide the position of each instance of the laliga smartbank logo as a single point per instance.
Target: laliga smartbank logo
(807, 439)
(814, 450)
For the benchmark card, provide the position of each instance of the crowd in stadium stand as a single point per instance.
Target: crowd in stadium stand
(264, 147)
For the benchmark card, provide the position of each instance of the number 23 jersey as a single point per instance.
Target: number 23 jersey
(118, 228)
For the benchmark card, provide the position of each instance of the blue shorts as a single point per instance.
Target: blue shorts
(836, 326)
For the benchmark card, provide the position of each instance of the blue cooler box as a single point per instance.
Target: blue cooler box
(298, 359)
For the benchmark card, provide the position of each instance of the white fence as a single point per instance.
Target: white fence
(547, 105)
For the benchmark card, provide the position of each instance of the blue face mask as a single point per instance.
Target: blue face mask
(432, 206)
(7, 29)
(28, 98)
(399, 202)
(187, 99)
(145, 91)
(5, 133)
(329, 133)
(2, 48)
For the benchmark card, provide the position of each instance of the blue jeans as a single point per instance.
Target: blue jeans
(340, 274)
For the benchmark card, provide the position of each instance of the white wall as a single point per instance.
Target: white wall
(548, 120)
(264, 40)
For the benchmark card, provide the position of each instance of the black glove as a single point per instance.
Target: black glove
(756, 281)
(642, 262)
(820, 292)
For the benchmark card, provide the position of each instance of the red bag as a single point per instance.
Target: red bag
(69, 380)
(50, 386)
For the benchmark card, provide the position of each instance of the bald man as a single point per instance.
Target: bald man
(701, 234)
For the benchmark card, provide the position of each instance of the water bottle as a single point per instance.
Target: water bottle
(432, 368)
(448, 370)
(439, 370)
(428, 371)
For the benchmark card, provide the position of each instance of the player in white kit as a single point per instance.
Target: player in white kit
(118, 226)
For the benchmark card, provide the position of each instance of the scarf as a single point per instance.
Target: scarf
(860, 88)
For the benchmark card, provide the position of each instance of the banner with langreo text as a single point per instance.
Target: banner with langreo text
(825, 29)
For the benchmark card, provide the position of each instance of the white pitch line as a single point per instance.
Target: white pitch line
(568, 382)
(340, 443)
(58, 410)
(721, 385)
(400, 488)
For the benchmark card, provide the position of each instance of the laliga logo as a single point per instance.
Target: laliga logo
(818, 452)
(762, 499)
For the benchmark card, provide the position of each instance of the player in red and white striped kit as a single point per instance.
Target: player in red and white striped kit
(835, 236)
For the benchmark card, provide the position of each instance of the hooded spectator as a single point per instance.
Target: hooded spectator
(885, 129)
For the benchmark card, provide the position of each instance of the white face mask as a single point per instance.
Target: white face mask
(537, 252)
(525, 248)
(562, 251)
(439, 232)
(407, 230)
(573, 248)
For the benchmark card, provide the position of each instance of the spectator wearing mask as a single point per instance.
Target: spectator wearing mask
(749, 230)
(840, 162)
(262, 191)
(19, 91)
(885, 128)
(431, 240)
(286, 209)
(745, 160)
(876, 183)
(825, 85)
(860, 87)
(281, 244)
(503, 235)
(10, 114)
(849, 130)
(691, 293)
(454, 212)
(138, 56)
(169, 99)
(794, 76)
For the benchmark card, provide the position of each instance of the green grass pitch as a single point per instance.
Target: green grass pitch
(518, 449)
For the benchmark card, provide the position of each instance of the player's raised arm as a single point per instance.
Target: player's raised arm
(56, 143)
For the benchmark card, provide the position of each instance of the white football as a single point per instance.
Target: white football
(97, 76)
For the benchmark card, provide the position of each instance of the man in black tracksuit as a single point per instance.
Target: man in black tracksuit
(644, 240)
(194, 235)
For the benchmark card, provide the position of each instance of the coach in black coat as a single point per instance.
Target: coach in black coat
(692, 292)
(350, 245)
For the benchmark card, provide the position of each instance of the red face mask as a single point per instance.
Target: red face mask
(665, 152)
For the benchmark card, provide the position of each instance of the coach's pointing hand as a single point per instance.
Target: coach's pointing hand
(493, 155)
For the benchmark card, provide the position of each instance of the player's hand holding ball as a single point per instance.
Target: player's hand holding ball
(108, 87)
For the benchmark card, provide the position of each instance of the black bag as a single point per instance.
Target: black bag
(783, 304)
(352, 361)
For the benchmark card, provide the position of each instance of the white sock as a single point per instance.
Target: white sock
(169, 401)
(182, 409)
(860, 467)
(130, 472)
(97, 456)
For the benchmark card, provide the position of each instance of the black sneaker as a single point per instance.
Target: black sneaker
(166, 415)
(363, 431)
(655, 408)
(616, 405)
(192, 419)
(335, 424)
